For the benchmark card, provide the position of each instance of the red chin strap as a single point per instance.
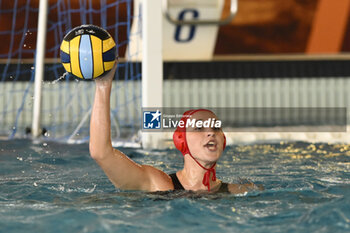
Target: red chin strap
(179, 138)
(206, 177)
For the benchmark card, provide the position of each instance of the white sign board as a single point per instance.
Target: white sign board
(181, 42)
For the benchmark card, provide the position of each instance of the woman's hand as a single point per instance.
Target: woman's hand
(106, 80)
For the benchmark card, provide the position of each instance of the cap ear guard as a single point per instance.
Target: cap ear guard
(179, 138)
(224, 141)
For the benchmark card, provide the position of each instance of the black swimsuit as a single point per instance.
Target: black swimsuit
(178, 186)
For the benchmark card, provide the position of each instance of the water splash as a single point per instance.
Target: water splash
(60, 78)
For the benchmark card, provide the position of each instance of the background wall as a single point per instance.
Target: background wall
(263, 27)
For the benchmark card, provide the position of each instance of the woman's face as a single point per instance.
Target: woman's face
(205, 143)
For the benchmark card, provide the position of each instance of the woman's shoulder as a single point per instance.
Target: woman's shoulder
(158, 180)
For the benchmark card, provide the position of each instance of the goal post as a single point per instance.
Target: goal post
(152, 65)
(39, 67)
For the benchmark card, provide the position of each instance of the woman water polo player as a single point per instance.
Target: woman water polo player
(200, 147)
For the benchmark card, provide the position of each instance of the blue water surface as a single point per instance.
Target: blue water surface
(52, 187)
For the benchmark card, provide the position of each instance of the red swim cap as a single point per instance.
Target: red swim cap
(179, 138)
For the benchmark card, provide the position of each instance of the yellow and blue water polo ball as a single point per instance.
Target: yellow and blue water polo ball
(88, 52)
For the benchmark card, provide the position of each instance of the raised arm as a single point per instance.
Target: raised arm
(120, 169)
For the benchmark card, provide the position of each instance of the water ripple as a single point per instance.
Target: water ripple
(306, 189)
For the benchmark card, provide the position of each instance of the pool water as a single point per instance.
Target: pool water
(52, 187)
